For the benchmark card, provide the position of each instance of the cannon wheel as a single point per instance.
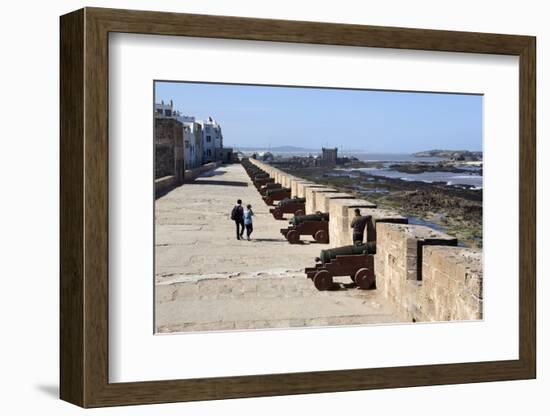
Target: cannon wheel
(299, 213)
(293, 237)
(277, 214)
(322, 280)
(268, 201)
(321, 236)
(364, 278)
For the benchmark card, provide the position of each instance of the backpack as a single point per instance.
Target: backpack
(234, 213)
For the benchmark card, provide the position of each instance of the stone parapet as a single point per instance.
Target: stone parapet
(340, 211)
(452, 284)
(419, 269)
(398, 262)
(191, 174)
(378, 215)
(301, 188)
(311, 193)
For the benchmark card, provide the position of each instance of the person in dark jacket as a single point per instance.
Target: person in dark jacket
(358, 224)
(237, 215)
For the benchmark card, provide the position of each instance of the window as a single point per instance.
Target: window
(208, 152)
(167, 113)
(208, 139)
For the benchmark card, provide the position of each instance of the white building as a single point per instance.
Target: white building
(212, 140)
(165, 110)
(203, 140)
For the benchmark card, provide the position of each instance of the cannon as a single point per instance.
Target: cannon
(277, 194)
(255, 171)
(355, 261)
(294, 206)
(315, 225)
(269, 186)
(260, 180)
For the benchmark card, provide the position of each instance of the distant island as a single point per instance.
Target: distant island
(458, 155)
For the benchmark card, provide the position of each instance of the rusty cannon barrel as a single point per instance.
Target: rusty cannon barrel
(295, 206)
(294, 199)
(272, 195)
(331, 253)
(254, 171)
(268, 186)
(262, 179)
(318, 216)
(355, 261)
(315, 225)
(261, 175)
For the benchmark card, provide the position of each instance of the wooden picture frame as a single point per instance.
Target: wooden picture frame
(84, 207)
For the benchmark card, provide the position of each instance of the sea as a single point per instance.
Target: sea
(472, 179)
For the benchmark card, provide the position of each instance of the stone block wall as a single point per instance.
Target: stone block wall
(323, 199)
(341, 212)
(420, 270)
(302, 187)
(452, 284)
(169, 157)
(164, 160)
(192, 174)
(294, 190)
(311, 192)
(399, 261)
(378, 216)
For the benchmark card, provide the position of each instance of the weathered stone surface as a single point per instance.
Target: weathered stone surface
(311, 201)
(397, 261)
(323, 199)
(341, 212)
(452, 280)
(379, 216)
(206, 280)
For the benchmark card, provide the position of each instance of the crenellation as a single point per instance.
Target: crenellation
(420, 270)
(311, 199)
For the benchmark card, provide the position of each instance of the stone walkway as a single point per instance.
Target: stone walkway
(206, 279)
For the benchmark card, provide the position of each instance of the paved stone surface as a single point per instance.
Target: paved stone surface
(206, 279)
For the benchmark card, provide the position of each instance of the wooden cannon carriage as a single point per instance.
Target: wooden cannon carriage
(278, 194)
(315, 225)
(356, 261)
(295, 206)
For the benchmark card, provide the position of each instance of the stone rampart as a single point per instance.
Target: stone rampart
(341, 211)
(311, 198)
(420, 270)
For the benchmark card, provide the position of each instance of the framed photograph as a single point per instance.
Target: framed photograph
(255, 207)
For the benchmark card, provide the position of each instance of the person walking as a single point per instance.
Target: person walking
(237, 215)
(358, 224)
(248, 214)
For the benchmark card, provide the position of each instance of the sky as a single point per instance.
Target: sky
(367, 120)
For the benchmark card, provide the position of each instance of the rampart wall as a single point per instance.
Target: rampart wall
(420, 270)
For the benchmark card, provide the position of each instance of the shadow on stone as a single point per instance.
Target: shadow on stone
(220, 183)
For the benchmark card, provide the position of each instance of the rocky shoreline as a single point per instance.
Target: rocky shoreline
(456, 210)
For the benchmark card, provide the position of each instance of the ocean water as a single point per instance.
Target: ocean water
(450, 178)
(392, 157)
